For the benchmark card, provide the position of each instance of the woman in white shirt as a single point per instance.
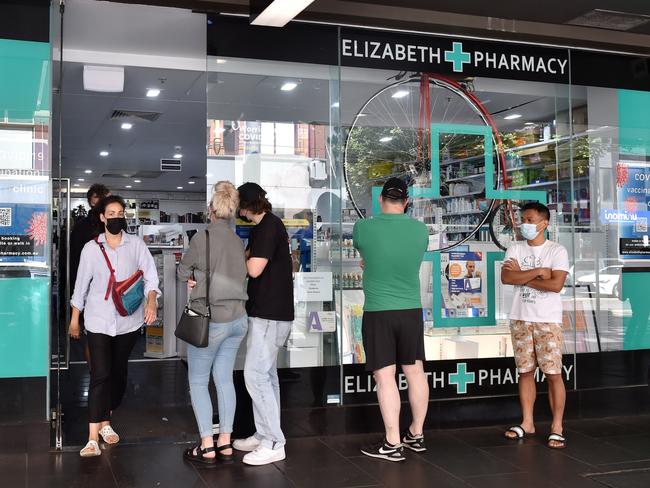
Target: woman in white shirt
(111, 336)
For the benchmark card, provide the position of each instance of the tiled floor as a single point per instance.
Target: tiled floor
(612, 452)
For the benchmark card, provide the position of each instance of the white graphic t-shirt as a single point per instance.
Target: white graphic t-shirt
(532, 305)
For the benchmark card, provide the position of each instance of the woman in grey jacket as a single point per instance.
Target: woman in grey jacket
(228, 325)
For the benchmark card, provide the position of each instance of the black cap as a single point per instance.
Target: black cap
(250, 192)
(395, 189)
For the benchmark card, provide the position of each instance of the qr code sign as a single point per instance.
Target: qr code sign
(5, 217)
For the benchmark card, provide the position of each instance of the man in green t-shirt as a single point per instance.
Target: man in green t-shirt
(392, 246)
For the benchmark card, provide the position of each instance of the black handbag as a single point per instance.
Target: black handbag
(194, 327)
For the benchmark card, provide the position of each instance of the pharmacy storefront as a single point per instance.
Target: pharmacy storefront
(321, 116)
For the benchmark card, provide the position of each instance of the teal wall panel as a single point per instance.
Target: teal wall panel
(24, 326)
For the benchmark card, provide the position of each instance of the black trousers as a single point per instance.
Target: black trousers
(109, 358)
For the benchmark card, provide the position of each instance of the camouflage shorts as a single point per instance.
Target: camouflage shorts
(537, 344)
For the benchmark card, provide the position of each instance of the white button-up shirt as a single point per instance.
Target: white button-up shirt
(100, 315)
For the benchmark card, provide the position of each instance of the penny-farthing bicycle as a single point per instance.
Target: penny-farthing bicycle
(391, 136)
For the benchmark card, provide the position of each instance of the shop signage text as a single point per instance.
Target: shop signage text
(457, 56)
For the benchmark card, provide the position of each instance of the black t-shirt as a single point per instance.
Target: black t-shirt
(85, 230)
(270, 295)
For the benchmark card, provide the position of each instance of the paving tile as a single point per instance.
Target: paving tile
(638, 446)
(415, 471)
(542, 462)
(238, 475)
(594, 451)
(528, 480)
(462, 460)
(13, 469)
(69, 470)
(628, 479)
(311, 463)
(152, 465)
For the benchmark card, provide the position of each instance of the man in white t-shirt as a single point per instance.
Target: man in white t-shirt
(537, 268)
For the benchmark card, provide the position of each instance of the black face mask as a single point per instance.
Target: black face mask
(115, 225)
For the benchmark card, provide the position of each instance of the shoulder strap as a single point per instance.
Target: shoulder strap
(208, 271)
(111, 280)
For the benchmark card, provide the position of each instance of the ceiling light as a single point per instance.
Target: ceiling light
(128, 186)
(512, 116)
(80, 179)
(178, 156)
(127, 125)
(89, 171)
(221, 61)
(137, 181)
(103, 154)
(288, 86)
(107, 79)
(276, 13)
(153, 92)
(191, 182)
(335, 105)
(400, 94)
(76, 184)
(362, 115)
(385, 139)
(179, 187)
(529, 123)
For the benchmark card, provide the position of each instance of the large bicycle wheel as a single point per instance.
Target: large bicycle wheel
(390, 136)
(505, 222)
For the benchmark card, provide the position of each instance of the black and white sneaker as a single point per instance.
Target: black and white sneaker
(414, 442)
(384, 450)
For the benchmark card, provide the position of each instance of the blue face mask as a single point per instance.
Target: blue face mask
(529, 231)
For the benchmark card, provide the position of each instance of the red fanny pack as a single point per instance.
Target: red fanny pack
(128, 294)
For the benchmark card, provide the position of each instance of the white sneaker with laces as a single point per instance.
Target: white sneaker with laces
(263, 455)
(247, 445)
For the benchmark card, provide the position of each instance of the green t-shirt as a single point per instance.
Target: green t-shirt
(392, 247)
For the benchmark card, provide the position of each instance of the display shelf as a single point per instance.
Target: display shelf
(549, 183)
(446, 197)
(460, 214)
(533, 145)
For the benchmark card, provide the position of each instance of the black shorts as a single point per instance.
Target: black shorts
(393, 337)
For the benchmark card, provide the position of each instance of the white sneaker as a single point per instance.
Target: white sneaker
(263, 455)
(247, 445)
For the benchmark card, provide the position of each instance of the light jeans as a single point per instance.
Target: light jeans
(219, 357)
(265, 338)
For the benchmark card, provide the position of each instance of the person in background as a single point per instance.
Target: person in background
(229, 323)
(83, 231)
(392, 246)
(86, 228)
(537, 268)
(270, 311)
(111, 336)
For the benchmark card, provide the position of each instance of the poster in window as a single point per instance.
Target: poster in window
(633, 191)
(463, 289)
(24, 226)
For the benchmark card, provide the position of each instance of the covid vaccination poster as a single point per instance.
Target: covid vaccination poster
(633, 195)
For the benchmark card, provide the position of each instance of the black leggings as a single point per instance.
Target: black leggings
(109, 358)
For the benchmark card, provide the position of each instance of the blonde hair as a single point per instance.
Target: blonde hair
(225, 200)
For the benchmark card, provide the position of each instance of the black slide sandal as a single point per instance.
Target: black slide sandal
(557, 438)
(519, 432)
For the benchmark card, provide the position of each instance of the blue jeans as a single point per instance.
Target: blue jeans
(265, 338)
(219, 357)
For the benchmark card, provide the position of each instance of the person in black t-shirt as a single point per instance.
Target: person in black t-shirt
(85, 230)
(270, 312)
